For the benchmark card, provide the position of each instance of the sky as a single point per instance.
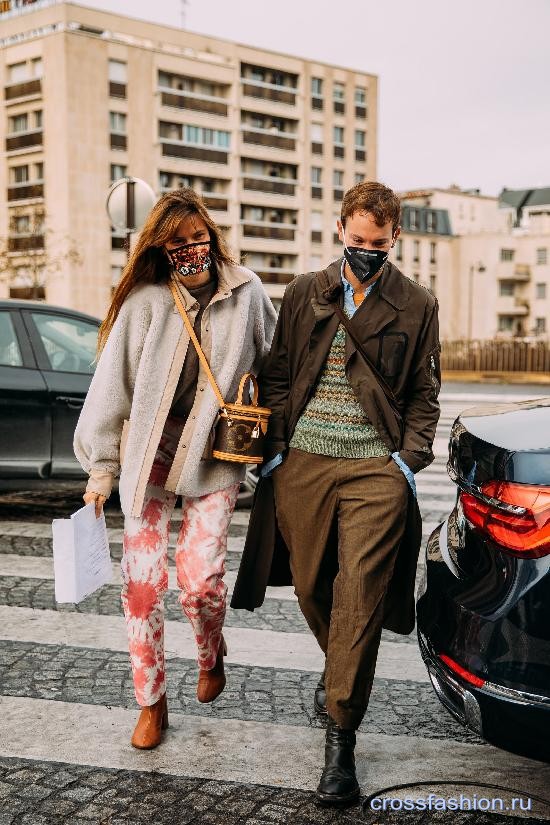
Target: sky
(463, 86)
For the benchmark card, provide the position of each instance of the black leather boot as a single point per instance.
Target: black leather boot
(320, 697)
(338, 785)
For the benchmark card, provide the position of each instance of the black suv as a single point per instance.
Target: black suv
(46, 365)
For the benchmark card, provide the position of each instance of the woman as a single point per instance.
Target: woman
(149, 414)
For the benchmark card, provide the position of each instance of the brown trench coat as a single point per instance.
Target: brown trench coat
(397, 324)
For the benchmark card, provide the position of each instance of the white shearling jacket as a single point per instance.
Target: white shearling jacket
(131, 392)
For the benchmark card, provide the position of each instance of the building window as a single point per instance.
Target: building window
(317, 86)
(542, 255)
(117, 71)
(37, 67)
(540, 326)
(506, 288)
(433, 253)
(506, 254)
(315, 263)
(338, 178)
(21, 224)
(338, 135)
(317, 132)
(360, 96)
(116, 275)
(117, 122)
(39, 171)
(360, 138)
(416, 277)
(433, 283)
(358, 177)
(338, 91)
(413, 219)
(506, 323)
(19, 174)
(18, 72)
(541, 291)
(399, 250)
(206, 137)
(416, 251)
(18, 123)
(38, 119)
(431, 221)
(117, 172)
(316, 175)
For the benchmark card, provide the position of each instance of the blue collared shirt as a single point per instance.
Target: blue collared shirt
(350, 309)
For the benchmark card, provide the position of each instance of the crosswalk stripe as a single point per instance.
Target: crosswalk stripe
(261, 648)
(242, 751)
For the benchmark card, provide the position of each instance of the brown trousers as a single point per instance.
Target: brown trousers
(342, 520)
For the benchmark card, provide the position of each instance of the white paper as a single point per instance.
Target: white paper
(81, 557)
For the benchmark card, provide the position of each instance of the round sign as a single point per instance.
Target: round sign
(129, 202)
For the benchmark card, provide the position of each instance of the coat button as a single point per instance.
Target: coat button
(201, 389)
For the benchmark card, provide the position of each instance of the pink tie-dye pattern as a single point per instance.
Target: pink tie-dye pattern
(200, 565)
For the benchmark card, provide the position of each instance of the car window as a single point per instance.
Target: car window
(10, 354)
(70, 343)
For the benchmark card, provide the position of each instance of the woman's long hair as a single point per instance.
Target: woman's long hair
(148, 263)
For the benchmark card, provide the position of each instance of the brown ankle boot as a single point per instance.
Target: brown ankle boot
(212, 682)
(153, 719)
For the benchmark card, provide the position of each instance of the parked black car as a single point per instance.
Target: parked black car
(46, 365)
(484, 606)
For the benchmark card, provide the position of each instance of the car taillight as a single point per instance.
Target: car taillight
(526, 535)
(461, 671)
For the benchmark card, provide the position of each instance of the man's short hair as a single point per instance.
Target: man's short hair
(378, 200)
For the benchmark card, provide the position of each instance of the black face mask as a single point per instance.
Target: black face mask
(364, 263)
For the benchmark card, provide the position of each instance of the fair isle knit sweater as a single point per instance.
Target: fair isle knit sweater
(333, 422)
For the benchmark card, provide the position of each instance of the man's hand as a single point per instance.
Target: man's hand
(98, 499)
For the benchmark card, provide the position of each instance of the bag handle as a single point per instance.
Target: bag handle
(248, 376)
(202, 357)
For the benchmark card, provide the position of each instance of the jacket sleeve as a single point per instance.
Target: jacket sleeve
(422, 408)
(264, 328)
(275, 380)
(98, 431)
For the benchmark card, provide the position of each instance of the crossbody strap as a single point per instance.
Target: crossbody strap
(390, 395)
(192, 335)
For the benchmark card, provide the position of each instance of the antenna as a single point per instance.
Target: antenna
(184, 4)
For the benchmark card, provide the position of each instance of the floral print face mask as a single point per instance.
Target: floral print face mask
(191, 258)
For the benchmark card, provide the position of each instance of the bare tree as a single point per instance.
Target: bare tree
(31, 252)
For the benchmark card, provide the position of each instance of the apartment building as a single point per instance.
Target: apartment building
(271, 142)
(485, 258)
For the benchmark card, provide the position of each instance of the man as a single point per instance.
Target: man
(344, 440)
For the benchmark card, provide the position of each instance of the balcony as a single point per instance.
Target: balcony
(273, 275)
(118, 141)
(179, 149)
(317, 192)
(267, 137)
(337, 194)
(263, 229)
(520, 273)
(339, 107)
(177, 99)
(317, 103)
(25, 242)
(22, 191)
(213, 201)
(361, 112)
(26, 89)
(360, 155)
(117, 90)
(24, 140)
(268, 91)
(511, 305)
(339, 151)
(316, 148)
(265, 183)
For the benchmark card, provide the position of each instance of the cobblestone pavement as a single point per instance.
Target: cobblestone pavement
(407, 736)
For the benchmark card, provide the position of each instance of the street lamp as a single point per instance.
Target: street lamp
(479, 267)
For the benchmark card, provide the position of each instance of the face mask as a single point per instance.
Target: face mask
(364, 263)
(191, 258)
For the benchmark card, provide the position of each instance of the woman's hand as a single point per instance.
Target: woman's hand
(98, 499)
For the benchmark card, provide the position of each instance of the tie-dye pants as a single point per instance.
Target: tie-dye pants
(200, 565)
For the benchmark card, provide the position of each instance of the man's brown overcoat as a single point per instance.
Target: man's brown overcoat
(397, 325)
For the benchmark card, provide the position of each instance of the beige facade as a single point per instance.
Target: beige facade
(272, 142)
(489, 269)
